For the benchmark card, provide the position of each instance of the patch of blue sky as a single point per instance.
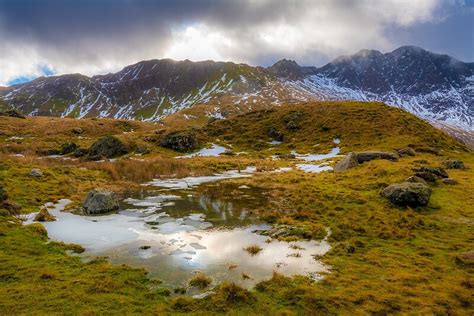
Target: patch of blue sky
(43, 70)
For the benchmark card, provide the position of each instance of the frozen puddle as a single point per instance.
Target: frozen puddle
(316, 157)
(173, 236)
(189, 182)
(214, 151)
(314, 168)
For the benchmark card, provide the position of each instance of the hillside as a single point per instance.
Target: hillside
(382, 259)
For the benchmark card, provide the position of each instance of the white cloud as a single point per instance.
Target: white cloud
(254, 31)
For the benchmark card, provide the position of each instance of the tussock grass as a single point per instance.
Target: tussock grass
(253, 249)
(200, 280)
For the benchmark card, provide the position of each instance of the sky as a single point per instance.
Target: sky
(52, 37)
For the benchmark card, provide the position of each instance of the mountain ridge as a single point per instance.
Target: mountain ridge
(436, 87)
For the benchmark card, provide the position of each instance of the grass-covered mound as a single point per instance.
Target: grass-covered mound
(359, 125)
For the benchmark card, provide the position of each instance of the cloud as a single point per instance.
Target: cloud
(99, 36)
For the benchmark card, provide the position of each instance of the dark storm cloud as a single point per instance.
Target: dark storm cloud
(94, 36)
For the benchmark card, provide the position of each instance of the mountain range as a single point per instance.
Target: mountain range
(436, 87)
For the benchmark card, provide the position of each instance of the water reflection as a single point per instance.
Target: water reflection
(173, 234)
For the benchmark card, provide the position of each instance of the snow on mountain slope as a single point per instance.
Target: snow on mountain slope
(436, 87)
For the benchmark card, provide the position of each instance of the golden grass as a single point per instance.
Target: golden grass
(253, 249)
(200, 280)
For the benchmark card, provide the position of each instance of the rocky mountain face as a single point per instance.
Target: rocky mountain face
(436, 87)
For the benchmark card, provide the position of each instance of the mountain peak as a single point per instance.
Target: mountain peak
(287, 69)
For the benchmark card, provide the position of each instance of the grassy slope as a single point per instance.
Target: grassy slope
(404, 260)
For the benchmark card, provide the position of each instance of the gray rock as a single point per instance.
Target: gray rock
(107, 147)
(406, 151)
(180, 141)
(349, 161)
(99, 201)
(449, 181)
(438, 172)
(427, 176)
(407, 194)
(37, 173)
(454, 164)
(415, 179)
(371, 155)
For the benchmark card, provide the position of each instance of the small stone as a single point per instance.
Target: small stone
(449, 181)
(44, 216)
(407, 194)
(77, 130)
(37, 173)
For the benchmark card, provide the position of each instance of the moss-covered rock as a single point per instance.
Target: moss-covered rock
(68, 147)
(180, 141)
(407, 194)
(107, 147)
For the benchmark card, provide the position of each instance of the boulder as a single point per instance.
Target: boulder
(349, 161)
(406, 151)
(44, 216)
(99, 201)
(107, 147)
(3, 194)
(449, 181)
(438, 172)
(180, 141)
(371, 155)
(68, 147)
(415, 179)
(37, 173)
(407, 194)
(454, 164)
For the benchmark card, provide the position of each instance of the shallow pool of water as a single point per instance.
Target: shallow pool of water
(175, 233)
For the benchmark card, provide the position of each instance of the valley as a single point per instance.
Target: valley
(271, 210)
